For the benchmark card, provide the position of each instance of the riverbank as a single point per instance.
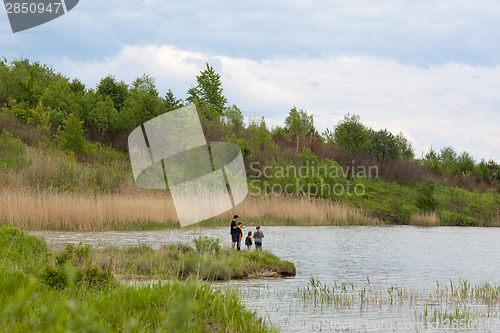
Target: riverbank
(33, 300)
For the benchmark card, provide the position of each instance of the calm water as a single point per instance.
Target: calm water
(397, 255)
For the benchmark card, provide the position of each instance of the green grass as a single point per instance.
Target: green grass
(456, 206)
(27, 304)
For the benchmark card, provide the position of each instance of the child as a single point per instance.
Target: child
(248, 241)
(240, 235)
(257, 236)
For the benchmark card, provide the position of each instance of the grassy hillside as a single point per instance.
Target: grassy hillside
(64, 162)
(44, 187)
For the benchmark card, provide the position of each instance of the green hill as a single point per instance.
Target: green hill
(58, 135)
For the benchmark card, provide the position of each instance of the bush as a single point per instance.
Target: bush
(73, 265)
(9, 143)
(72, 136)
(457, 219)
(207, 244)
(426, 200)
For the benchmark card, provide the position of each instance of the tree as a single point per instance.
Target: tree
(351, 136)
(384, 145)
(433, 162)
(298, 125)
(171, 102)
(62, 101)
(448, 158)
(465, 163)
(143, 102)
(426, 200)
(234, 118)
(72, 135)
(77, 86)
(261, 137)
(406, 150)
(208, 94)
(117, 91)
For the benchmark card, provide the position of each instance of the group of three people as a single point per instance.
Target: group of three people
(237, 235)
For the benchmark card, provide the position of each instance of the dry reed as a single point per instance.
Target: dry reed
(56, 211)
(429, 219)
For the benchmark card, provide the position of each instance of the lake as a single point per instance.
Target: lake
(379, 257)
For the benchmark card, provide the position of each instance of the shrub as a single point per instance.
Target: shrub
(457, 219)
(9, 143)
(426, 200)
(207, 244)
(74, 265)
(72, 136)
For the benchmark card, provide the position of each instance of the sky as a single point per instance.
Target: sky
(428, 69)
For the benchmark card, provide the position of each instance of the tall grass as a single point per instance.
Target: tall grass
(28, 305)
(71, 211)
(82, 211)
(343, 294)
(429, 219)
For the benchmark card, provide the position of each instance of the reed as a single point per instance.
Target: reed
(429, 219)
(455, 293)
(52, 210)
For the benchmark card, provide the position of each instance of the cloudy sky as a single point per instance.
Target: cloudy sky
(429, 69)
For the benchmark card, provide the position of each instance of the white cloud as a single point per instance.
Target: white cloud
(450, 105)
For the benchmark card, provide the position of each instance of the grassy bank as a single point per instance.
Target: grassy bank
(207, 261)
(30, 302)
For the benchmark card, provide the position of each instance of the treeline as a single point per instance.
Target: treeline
(69, 111)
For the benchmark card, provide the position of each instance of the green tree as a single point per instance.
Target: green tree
(448, 158)
(494, 170)
(208, 94)
(77, 86)
(117, 91)
(25, 81)
(143, 102)
(299, 125)
(72, 135)
(351, 136)
(261, 137)
(405, 147)
(426, 199)
(62, 101)
(171, 102)
(432, 161)
(384, 145)
(234, 118)
(465, 163)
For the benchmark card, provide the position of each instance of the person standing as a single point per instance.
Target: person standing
(239, 228)
(234, 231)
(257, 238)
(248, 241)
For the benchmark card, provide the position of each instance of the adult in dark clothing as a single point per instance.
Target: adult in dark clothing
(240, 235)
(234, 231)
